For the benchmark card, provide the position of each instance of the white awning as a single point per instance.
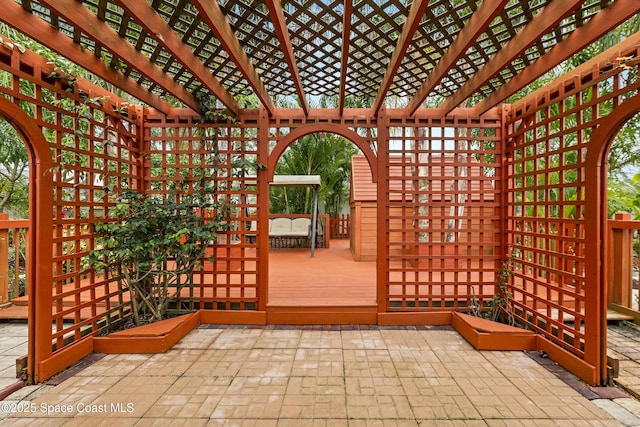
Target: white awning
(297, 180)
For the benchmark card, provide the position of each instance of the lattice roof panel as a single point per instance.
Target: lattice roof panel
(295, 47)
(315, 28)
(376, 26)
(250, 21)
(439, 27)
(548, 41)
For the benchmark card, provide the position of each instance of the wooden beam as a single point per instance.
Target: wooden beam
(37, 29)
(82, 19)
(478, 24)
(212, 15)
(280, 27)
(152, 22)
(598, 26)
(344, 61)
(32, 59)
(416, 13)
(629, 44)
(544, 22)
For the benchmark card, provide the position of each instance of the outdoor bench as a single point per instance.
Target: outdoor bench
(289, 232)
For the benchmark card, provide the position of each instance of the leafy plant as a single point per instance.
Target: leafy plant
(327, 155)
(14, 177)
(154, 246)
(501, 309)
(624, 196)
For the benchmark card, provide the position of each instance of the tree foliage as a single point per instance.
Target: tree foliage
(154, 245)
(326, 155)
(624, 196)
(14, 178)
(624, 171)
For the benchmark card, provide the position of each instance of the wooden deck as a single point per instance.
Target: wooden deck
(330, 278)
(296, 282)
(330, 288)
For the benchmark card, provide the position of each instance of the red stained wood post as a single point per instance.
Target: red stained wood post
(4, 261)
(621, 281)
(263, 211)
(383, 190)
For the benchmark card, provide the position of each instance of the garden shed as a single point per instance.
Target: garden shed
(460, 198)
(363, 210)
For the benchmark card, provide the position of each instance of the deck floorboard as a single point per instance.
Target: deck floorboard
(330, 278)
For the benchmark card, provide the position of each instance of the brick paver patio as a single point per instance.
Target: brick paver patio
(312, 377)
(623, 342)
(13, 344)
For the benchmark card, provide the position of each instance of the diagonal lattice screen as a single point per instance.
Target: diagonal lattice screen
(316, 32)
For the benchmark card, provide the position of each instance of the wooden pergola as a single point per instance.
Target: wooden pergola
(425, 89)
(451, 53)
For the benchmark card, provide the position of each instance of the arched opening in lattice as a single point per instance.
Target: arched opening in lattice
(623, 203)
(14, 173)
(621, 233)
(16, 241)
(334, 276)
(31, 148)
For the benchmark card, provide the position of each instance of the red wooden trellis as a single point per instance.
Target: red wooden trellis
(475, 186)
(442, 182)
(555, 206)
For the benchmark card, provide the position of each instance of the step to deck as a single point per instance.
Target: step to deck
(617, 317)
(612, 316)
(21, 312)
(322, 315)
(24, 302)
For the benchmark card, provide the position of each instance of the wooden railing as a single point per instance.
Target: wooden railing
(341, 226)
(623, 263)
(14, 239)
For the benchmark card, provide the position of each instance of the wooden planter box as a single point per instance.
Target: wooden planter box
(155, 337)
(486, 334)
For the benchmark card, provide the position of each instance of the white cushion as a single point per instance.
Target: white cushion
(300, 226)
(280, 226)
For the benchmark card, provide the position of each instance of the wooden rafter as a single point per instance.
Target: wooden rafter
(410, 26)
(540, 25)
(599, 25)
(629, 44)
(280, 27)
(82, 19)
(478, 23)
(212, 15)
(344, 61)
(89, 89)
(38, 30)
(153, 23)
